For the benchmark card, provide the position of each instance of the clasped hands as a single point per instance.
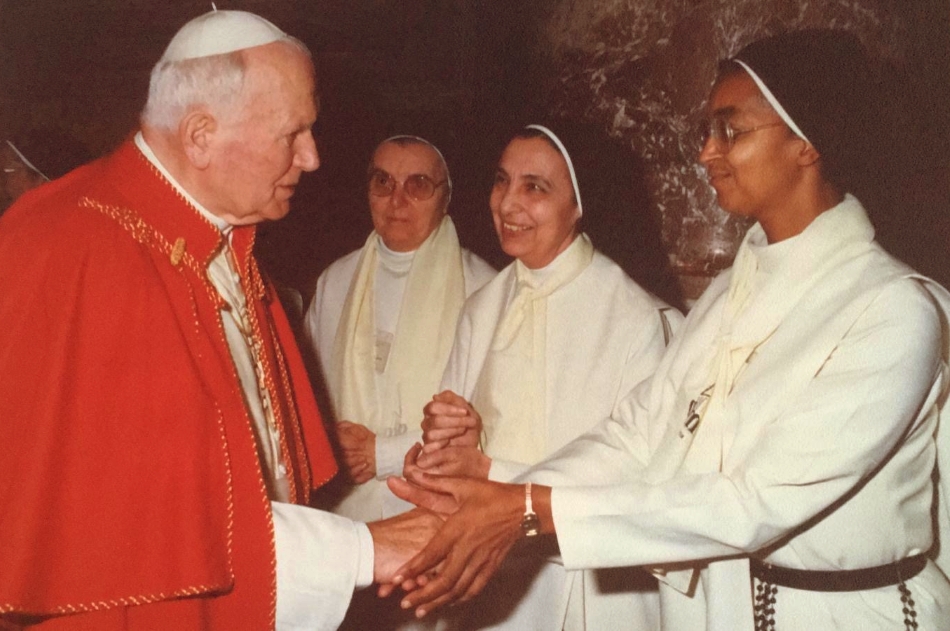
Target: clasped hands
(447, 476)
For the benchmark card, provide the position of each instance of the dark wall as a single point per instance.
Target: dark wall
(461, 72)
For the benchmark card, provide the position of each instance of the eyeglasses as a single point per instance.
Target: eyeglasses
(721, 130)
(417, 186)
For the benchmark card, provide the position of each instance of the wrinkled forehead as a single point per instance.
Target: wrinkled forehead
(536, 155)
(408, 158)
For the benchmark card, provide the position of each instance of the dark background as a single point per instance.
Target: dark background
(463, 72)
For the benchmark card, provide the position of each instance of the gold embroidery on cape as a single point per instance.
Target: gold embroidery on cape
(253, 284)
(142, 232)
(178, 251)
(121, 602)
(147, 235)
(184, 201)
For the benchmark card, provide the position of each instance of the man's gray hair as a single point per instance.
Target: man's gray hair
(215, 81)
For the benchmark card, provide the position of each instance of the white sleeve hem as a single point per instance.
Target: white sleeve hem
(320, 557)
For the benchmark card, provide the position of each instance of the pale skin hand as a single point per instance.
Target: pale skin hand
(359, 450)
(450, 420)
(441, 505)
(460, 559)
(398, 538)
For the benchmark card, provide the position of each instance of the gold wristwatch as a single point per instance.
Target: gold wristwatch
(530, 524)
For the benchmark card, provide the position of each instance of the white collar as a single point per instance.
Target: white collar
(221, 224)
(396, 262)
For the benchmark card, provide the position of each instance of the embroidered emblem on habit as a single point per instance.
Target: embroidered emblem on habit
(178, 251)
(696, 409)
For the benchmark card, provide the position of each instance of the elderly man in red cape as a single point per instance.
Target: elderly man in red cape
(160, 440)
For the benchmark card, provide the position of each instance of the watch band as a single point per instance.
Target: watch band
(530, 523)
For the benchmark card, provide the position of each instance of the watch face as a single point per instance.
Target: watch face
(531, 525)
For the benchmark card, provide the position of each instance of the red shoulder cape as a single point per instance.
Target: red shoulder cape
(129, 474)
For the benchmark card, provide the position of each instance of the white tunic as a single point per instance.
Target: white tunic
(604, 335)
(822, 454)
(320, 328)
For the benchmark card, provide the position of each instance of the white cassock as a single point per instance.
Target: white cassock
(817, 369)
(541, 367)
(381, 323)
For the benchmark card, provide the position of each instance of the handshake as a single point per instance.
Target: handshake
(447, 549)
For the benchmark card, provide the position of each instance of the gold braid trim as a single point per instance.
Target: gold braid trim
(222, 430)
(184, 201)
(253, 286)
(129, 601)
(103, 605)
(261, 485)
(144, 233)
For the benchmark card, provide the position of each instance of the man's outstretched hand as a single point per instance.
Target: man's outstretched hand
(398, 538)
(464, 554)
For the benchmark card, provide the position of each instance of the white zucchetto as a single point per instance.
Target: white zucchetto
(220, 32)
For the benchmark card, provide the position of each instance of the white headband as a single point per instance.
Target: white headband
(445, 166)
(567, 158)
(220, 32)
(26, 162)
(773, 101)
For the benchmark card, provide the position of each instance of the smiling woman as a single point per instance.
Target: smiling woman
(534, 201)
(532, 374)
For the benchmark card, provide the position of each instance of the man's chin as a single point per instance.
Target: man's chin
(276, 211)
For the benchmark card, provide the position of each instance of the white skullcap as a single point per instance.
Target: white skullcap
(220, 32)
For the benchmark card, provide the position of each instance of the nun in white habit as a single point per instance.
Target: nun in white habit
(559, 336)
(383, 318)
(785, 467)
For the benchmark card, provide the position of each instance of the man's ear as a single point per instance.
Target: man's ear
(808, 155)
(196, 132)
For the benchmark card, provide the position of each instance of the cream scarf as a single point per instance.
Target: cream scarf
(435, 292)
(510, 393)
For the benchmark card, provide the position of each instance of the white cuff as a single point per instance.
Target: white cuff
(364, 575)
(505, 470)
(391, 451)
(320, 559)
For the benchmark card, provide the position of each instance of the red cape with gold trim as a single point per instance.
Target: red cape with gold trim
(131, 491)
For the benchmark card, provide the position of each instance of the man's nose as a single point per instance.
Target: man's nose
(307, 158)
